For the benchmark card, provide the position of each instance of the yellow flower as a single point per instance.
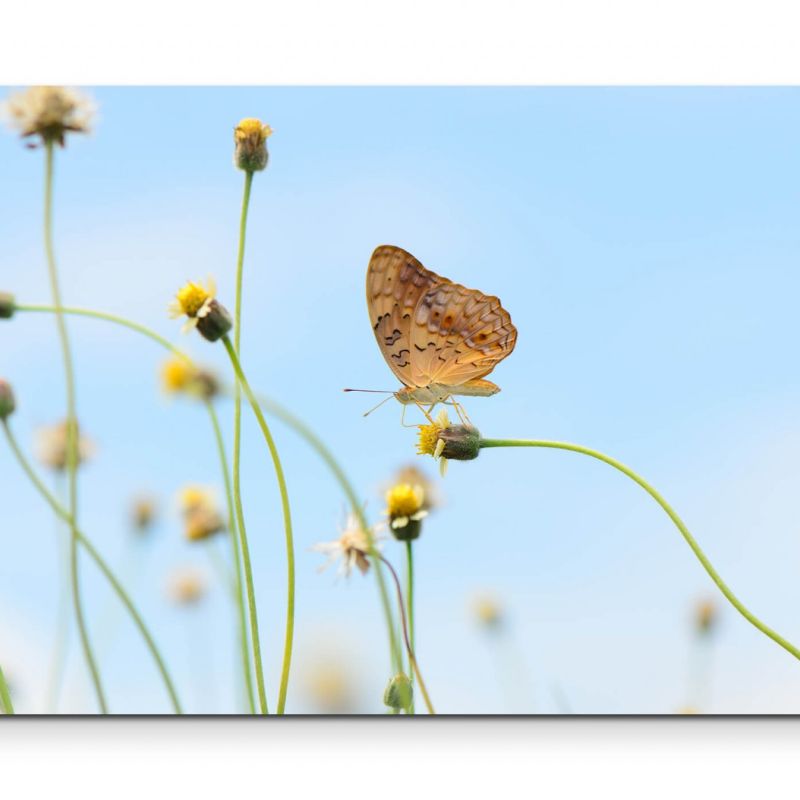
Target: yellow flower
(201, 518)
(250, 138)
(187, 586)
(330, 687)
(405, 508)
(51, 446)
(352, 547)
(488, 611)
(198, 304)
(143, 512)
(416, 477)
(430, 443)
(179, 376)
(705, 616)
(49, 112)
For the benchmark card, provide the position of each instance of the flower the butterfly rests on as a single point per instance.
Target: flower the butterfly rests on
(438, 337)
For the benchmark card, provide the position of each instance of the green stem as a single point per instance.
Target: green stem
(59, 659)
(72, 425)
(288, 419)
(178, 353)
(61, 512)
(409, 649)
(410, 597)
(287, 519)
(357, 508)
(238, 581)
(237, 449)
(690, 540)
(5, 696)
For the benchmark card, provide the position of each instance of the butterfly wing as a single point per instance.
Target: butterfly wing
(458, 335)
(396, 282)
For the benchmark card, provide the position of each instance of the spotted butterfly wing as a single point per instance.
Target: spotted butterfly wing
(431, 330)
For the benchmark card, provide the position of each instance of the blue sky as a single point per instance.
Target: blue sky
(645, 242)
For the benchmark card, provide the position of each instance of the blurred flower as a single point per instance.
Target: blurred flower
(179, 376)
(7, 305)
(201, 518)
(405, 508)
(398, 693)
(203, 312)
(352, 547)
(688, 710)
(51, 446)
(330, 688)
(250, 137)
(488, 612)
(49, 112)
(705, 616)
(143, 513)
(7, 401)
(187, 586)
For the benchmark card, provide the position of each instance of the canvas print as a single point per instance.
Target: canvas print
(399, 401)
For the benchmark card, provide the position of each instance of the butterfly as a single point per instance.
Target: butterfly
(438, 337)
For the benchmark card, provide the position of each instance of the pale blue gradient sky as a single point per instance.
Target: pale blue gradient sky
(646, 244)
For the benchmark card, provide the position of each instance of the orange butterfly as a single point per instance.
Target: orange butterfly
(438, 337)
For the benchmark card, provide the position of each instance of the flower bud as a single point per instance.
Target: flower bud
(399, 693)
(214, 321)
(250, 137)
(7, 306)
(461, 442)
(7, 401)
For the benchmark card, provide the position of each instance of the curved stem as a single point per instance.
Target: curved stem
(321, 449)
(61, 512)
(287, 520)
(238, 582)
(690, 540)
(287, 418)
(71, 423)
(6, 705)
(411, 657)
(410, 595)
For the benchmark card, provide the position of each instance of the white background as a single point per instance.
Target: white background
(364, 41)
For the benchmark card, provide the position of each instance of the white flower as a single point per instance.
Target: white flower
(49, 112)
(352, 547)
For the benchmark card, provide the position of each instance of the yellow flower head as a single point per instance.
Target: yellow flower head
(143, 512)
(416, 477)
(405, 508)
(192, 300)
(250, 138)
(201, 518)
(179, 376)
(198, 304)
(429, 442)
(403, 500)
(705, 615)
(49, 112)
(488, 612)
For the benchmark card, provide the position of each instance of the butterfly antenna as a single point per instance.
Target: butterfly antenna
(366, 414)
(370, 391)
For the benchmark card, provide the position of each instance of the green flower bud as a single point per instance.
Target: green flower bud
(461, 442)
(7, 306)
(7, 402)
(399, 693)
(214, 321)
